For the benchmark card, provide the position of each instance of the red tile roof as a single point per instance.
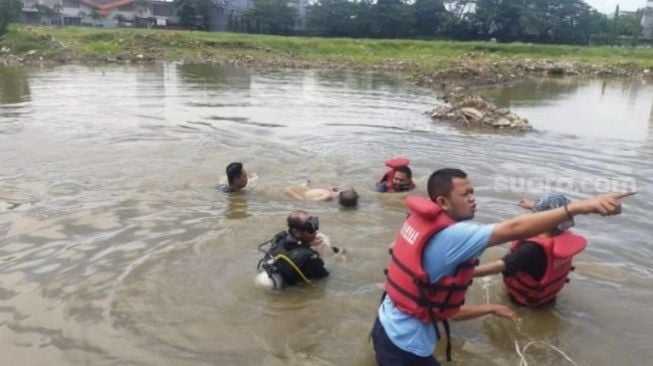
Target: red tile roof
(104, 7)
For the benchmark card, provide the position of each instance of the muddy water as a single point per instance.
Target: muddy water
(116, 248)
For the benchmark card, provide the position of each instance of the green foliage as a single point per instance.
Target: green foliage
(429, 16)
(9, 12)
(541, 21)
(271, 16)
(194, 14)
(341, 18)
(426, 56)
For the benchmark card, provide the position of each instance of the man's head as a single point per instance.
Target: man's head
(303, 226)
(236, 176)
(451, 190)
(549, 201)
(402, 178)
(348, 197)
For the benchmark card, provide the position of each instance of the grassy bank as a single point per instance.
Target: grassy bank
(70, 44)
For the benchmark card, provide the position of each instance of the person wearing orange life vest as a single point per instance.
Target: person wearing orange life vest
(536, 269)
(398, 178)
(436, 247)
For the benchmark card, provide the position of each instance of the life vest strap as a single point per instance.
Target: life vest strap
(452, 288)
(422, 299)
(445, 323)
(404, 268)
(540, 287)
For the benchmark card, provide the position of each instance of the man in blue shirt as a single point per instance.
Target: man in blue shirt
(402, 339)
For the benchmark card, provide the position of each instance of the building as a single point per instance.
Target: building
(223, 14)
(647, 21)
(100, 13)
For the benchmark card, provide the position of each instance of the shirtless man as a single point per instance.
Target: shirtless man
(346, 197)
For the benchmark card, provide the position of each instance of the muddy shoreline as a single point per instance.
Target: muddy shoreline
(469, 71)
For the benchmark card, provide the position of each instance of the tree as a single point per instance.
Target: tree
(194, 14)
(429, 16)
(271, 16)
(545, 21)
(9, 12)
(393, 19)
(96, 16)
(341, 18)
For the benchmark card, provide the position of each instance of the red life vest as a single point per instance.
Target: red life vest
(407, 281)
(559, 252)
(389, 175)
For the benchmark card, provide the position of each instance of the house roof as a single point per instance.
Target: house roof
(104, 7)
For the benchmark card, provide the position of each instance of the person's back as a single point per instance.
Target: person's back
(290, 259)
(536, 269)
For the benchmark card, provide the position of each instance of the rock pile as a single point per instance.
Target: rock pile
(475, 111)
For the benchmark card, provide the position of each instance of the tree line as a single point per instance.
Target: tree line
(538, 21)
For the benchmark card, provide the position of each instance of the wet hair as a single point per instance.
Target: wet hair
(295, 221)
(234, 170)
(406, 170)
(441, 182)
(348, 198)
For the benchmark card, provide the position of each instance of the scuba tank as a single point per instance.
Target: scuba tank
(282, 262)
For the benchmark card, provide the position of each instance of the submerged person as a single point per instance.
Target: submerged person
(347, 197)
(432, 264)
(399, 178)
(536, 269)
(236, 178)
(290, 259)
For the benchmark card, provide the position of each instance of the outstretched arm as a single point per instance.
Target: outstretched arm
(526, 226)
(468, 312)
(490, 268)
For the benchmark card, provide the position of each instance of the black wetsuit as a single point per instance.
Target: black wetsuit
(306, 259)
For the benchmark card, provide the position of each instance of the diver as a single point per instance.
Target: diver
(290, 258)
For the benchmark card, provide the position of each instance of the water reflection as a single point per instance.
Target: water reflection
(599, 108)
(14, 85)
(536, 92)
(213, 76)
(236, 205)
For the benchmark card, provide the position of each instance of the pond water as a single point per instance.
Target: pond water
(116, 248)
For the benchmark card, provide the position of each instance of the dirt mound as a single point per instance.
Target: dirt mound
(475, 111)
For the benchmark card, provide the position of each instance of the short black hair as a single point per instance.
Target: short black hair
(348, 198)
(441, 182)
(234, 170)
(406, 170)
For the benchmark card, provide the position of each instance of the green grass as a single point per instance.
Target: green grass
(421, 55)
(102, 48)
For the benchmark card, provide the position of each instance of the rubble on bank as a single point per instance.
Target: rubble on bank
(472, 70)
(477, 73)
(475, 111)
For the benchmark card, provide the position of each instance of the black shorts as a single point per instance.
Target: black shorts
(387, 354)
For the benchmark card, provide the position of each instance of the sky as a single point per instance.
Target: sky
(607, 6)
